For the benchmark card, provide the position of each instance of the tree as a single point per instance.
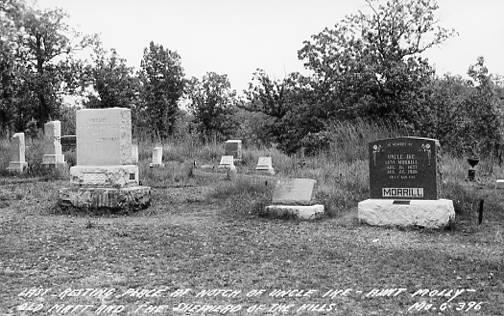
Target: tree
(163, 82)
(212, 103)
(10, 12)
(291, 109)
(370, 65)
(485, 110)
(113, 83)
(39, 49)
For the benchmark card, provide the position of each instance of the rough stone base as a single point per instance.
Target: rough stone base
(302, 212)
(119, 176)
(17, 166)
(116, 200)
(53, 159)
(424, 213)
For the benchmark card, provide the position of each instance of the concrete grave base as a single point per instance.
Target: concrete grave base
(424, 213)
(302, 212)
(118, 176)
(17, 166)
(118, 200)
(53, 159)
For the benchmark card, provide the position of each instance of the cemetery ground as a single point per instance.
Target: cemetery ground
(203, 232)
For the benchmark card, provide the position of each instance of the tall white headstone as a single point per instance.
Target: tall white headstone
(52, 133)
(18, 162)
(134, 153)
(105, 176)
(104, 149)
(157, 157)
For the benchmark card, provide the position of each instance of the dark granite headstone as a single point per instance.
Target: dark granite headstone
(233, 148)
(68, 142)
(405, 168)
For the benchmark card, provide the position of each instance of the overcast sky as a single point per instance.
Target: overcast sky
(235, 37)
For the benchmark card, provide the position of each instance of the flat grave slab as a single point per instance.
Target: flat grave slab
(295, 191)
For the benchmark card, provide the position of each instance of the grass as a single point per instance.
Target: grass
(203, 232)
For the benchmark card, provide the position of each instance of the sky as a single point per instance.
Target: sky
(235, 37)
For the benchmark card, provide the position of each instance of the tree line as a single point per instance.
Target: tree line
(367, 67)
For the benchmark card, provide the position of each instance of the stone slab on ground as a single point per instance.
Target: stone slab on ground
(295, 191)
(301, 212)
(226, 162)
(265, 166)
(424, 213)
(53, 159)
(17, 166)
(104, 176)
(121, 200)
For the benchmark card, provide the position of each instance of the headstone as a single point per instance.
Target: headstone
(104, 176)
(405, 168)
(499, 184)
(104, 137)
(157, 157)
(405, 184)
(68, 142)
(233, 148)
(297, 191)
(134, 153)
(18, 162)
(264, 164)
(54, 155)
(293, 198)
(226, 162)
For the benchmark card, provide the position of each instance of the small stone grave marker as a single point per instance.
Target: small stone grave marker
(134, 153)
(54, 155)
(264, 164)
(157, 157)
(233, 148)
(68, 142)
(226, 162)
(18, 162)
(404, 168)
(297, 191)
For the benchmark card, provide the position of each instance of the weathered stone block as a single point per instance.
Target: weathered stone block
(424, 213)
(119, 200)
(104, 176)
(301, 212)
